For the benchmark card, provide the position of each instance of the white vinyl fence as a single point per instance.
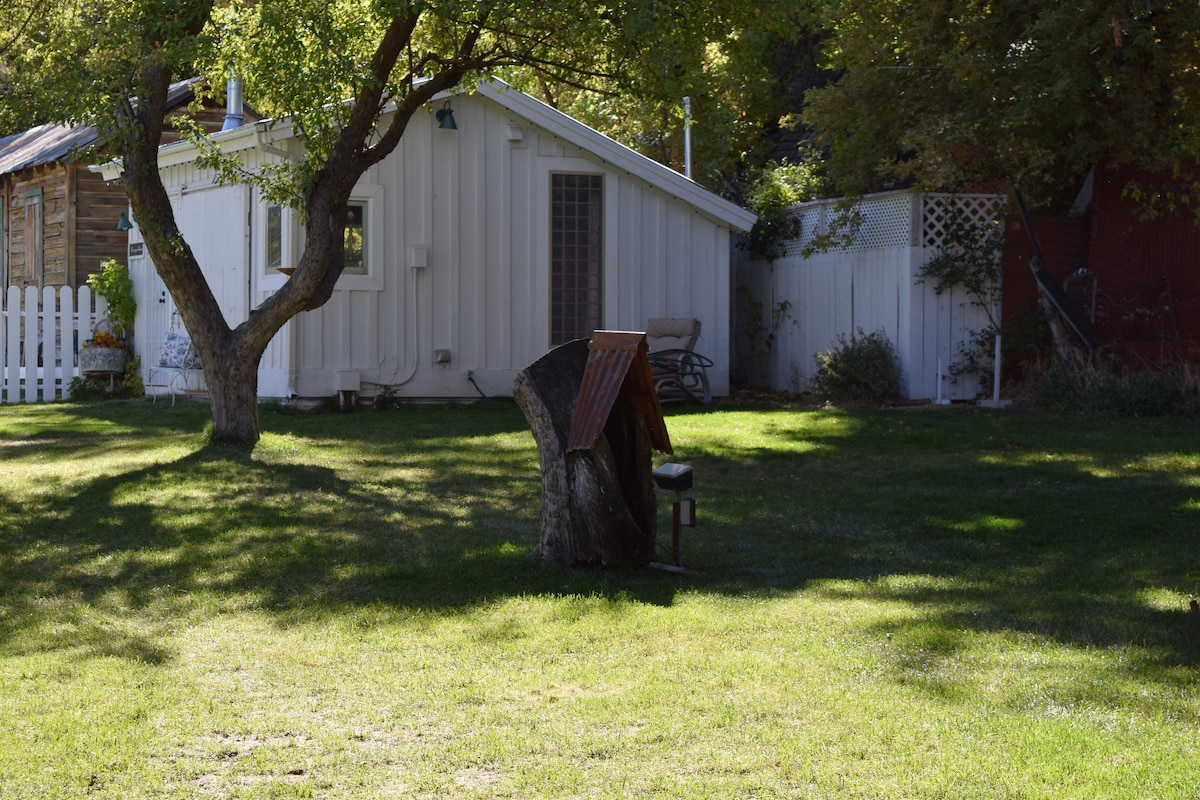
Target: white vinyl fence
(41, 331)
(788, 310)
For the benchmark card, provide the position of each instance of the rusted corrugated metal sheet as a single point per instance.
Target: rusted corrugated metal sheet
(617, 367)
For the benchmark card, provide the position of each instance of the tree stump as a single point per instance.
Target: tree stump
(598, 503)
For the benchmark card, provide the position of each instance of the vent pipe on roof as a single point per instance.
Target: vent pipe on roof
(233, 105)
(687, 137)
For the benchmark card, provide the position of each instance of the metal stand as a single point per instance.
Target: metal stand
(683, 511)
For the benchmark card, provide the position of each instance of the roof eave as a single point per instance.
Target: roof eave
(618, 155)
(246, 137)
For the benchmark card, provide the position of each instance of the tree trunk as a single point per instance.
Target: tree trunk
(598, 505)
(231, 356)
(1058, 334)
(233, 393)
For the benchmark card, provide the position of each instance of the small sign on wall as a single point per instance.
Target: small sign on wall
(135, 249)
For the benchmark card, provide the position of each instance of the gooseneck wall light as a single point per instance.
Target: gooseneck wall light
(445, 117)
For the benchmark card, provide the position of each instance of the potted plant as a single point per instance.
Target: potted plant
(102, 355)
(113, 284)
(106, 352)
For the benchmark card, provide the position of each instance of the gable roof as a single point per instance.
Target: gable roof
(48, 143)
(616, 366)
(268, 132)
(618, 155)
(42, 145)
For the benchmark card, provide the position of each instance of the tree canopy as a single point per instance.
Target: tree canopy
(734, 59)
(350, 73)
(956, 94)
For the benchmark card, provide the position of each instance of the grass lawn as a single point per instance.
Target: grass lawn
(920, 603)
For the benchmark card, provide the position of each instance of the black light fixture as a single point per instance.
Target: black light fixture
(445, 117)
(123, 223)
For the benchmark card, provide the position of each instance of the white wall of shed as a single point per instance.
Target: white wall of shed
(480, 203)
(221, 224)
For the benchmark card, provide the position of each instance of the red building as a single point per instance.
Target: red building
(1136, 280)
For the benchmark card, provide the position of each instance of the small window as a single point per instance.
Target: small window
(355, 239)
(362, 243)
(274, 238)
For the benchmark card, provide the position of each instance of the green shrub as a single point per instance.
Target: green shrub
(777, 187)
(863, 368)
(1058, 387)
(128, 386)
(1096, 389)
(112, 283)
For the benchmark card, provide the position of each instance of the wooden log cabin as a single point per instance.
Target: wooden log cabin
(58, 219)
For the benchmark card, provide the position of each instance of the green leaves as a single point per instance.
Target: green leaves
(778, 186)
(112, 283)
(953, 94)
(736, 61)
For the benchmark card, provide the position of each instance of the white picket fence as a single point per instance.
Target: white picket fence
(41, 331)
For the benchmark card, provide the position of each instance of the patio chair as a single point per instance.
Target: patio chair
(679, 372)
(178, 367)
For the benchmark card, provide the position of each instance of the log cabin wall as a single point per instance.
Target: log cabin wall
(211, 117)
(78, 225)
(47, 186)
(97, 209)
(5, 204)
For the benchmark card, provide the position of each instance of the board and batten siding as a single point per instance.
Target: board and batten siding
(458, 259)
(214, 221)
(476, 202)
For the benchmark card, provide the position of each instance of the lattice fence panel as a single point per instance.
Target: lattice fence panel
(871, 224)
(985, 210)
(810, 217)
(878, 223)
(882, 223)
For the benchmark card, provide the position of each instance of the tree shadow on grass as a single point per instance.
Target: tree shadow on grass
(977, 527)
(221, 529)
(973, 526)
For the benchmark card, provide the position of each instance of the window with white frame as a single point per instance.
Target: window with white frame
(355, 238)
(274, 238)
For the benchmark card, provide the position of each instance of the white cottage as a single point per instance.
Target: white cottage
(465, 232)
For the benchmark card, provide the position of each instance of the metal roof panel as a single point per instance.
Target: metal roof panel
(48, 143)
(617, 367)
(42, 145)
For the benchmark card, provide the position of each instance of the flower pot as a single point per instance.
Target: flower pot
(102, 361)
